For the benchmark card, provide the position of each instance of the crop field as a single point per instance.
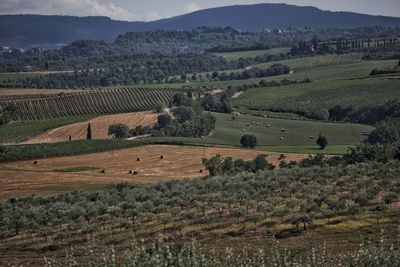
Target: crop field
(99, 127)
(296, 133)
(93, 102)
(20, 131)
(83, 171)
(321, 95)
(253, 53)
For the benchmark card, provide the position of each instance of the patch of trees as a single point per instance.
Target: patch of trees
(362, 153)
(383, 72)
(368, 115)
(217, 165)
(6, 114)
(386, 133)
(188, 120)
(238, 48)
(274, 70)
(138, 69)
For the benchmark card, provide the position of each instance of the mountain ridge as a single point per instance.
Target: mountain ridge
(56, 30)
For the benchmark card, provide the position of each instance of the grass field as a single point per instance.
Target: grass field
(321, 95)
(253, 53)
(20, 131)
(297, 133)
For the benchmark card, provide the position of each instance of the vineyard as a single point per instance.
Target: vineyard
(318, 61)
(114, 101)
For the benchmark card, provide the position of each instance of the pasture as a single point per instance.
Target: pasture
(296, 133)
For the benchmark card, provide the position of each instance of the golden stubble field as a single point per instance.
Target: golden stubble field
(99, 126)
(25, 178)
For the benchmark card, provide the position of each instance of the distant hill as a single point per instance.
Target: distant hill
(37, 30)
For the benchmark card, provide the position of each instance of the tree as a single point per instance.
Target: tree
(322, 141)
(164, 120)
(248, 141)
(118, 130)
(89, 132)
(260, 163)
(213, 165)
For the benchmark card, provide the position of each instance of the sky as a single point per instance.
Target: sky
(147, 10)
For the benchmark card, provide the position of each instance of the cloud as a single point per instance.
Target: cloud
(72, 7)
(192, 7)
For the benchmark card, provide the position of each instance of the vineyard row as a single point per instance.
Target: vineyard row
(92, 102)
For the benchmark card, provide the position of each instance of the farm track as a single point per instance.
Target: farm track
(20, 179)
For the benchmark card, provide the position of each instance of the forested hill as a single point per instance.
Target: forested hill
(50, 31)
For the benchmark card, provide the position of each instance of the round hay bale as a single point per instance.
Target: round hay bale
(311, 137)
(103, 171)
(130, 171)
(139, 159)
(162, 157)
(283, 130)
(135, 173)
(35, 162)
(201, 171)
(282, 138)
(268, 126)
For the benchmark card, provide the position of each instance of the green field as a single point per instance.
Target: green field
(321, 95)
(20, 131)
(253, 53)
(297, 133)
(317, 61)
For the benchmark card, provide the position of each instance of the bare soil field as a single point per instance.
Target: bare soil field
(25, 178)
(99, 126)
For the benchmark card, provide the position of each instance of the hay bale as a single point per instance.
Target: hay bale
(283, 130)
(103, 171)
(135, 173)
(139, 159)
(130, 171)
(282, 138)
(35, 162)
(162, 157)
(268, 126)
(311, 137)
(201, 170)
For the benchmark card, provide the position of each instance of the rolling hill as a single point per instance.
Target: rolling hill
(52, 31)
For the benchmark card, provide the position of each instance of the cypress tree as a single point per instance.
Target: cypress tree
(89, 132)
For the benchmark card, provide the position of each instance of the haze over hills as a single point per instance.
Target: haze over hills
(50, 31)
